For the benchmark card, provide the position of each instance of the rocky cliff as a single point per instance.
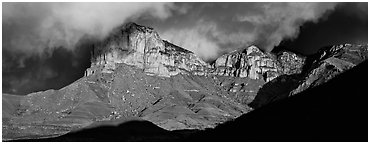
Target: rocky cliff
(249, 62)
(142, 47)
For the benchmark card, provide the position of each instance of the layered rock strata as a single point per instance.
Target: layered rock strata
(249, 62)
(142, 47)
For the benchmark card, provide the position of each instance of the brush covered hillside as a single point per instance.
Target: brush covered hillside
(331, 112)
(136, 78)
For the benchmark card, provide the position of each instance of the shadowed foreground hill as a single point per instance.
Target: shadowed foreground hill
(136, 130)
(334, 111)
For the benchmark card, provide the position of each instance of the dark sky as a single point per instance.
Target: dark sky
(347, 24)
(33, 62)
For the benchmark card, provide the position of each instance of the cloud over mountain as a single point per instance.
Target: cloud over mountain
(213, 28)
(33, 27)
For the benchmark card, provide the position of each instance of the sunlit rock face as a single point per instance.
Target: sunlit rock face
(142, 47)
(250, 62)
(290, 62)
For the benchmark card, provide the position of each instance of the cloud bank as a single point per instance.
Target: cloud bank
(210, 29)
(36, 27)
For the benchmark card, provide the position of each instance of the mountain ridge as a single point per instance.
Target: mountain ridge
(134, 73)
(145, 49)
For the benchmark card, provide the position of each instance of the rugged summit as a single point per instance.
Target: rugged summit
(142, 47)
(249, 62)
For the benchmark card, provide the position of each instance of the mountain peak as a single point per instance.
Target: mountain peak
(131, 27)
(141, 46)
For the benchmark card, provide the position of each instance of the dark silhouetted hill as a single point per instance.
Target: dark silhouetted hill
(128, 131)
(334, 111)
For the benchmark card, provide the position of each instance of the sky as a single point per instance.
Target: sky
(47, 45)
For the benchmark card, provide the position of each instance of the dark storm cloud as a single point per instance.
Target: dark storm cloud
(32, 27)
(209, 29)
(50, 71)
(347, 24)
(47, 45)
(42, 41)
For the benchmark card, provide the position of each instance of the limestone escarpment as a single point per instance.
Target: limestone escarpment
(142, 47)
(249, 62)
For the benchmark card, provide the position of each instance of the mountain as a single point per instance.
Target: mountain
(135, 75)
(251, 62)
(322, 113)
(318, 68)
(142, 47)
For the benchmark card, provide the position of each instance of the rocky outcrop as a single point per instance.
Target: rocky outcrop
(142, 47)
(250, 62)
(290, 62)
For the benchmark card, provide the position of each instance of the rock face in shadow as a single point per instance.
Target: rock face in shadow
(318, 69)
(329, 62)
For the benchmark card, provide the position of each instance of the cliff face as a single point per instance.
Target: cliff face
(142, 47)
(249, 62)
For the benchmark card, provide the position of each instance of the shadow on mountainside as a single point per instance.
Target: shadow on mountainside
(334, 111)
(275, 90)
(127, 131)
